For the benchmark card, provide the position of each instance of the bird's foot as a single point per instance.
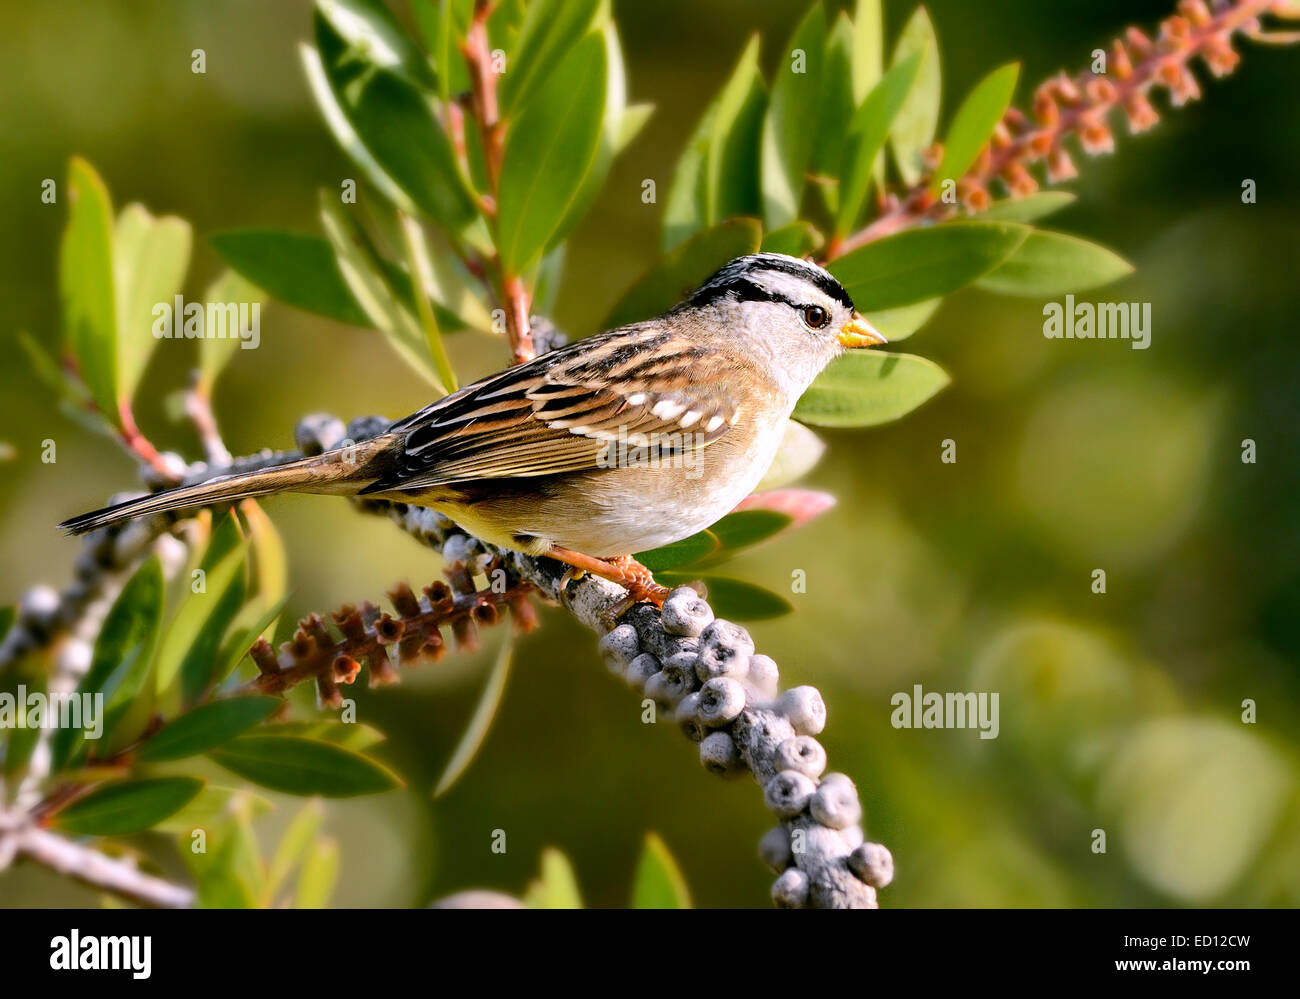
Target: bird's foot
(624, 570)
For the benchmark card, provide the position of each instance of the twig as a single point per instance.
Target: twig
(366, 635)
(89, 867)
(198, 407)
(484, 106)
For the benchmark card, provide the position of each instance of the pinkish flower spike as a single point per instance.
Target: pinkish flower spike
(1141, 115)
(1060, 167)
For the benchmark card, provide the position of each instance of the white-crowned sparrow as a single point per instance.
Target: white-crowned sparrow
(615, 444)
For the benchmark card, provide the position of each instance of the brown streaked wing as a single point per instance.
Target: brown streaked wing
(558, 412)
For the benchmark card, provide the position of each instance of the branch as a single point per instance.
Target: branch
(1079, 106)
(704, 673)
(484, 106)
(88, 866)
(366, 635)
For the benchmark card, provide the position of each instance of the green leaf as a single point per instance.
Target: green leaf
(237, 646)
(229, 288)
(122, 655)
(901, 322)
(556, 887)
(549, 152)
(748, 527)
(634, 119)
(868, 131)
(789, 128)
(396, 124)
(864, 388)
(659, 883)
(230, 875)
(367, 278)
(1029, 208)
(320, 83)
(86, 285)
(684, 269)
(206, 727)
(731, 181)
(356, 736)
(915, 125)
(294, 267)
(319, 874)
(150, 257)
(606, 148)
(734, 599)
(973, 124)
(798, 239)
(550, 30)
(1052, 263)
(128, 806)
(211, 807)
(684, 207)
(868, 51)
(295, 765)
(293, 846)
(370, 29)
(679, 553)
(480, 722)
(442, 23)
(190, 647)
(797, 455)
(837, 106)
(917, 264)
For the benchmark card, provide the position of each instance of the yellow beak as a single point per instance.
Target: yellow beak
(857, 332)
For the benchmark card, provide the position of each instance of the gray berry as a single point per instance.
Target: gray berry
(639, 670)
(788, 793)
(679, 678)
(317, 432)
(719, 755)
(835, 803)
(802, 753)
(619, 647)
(790, 890)
(762, 678)
(873, 864)
(164, 471)
(722, 699)
(805, 709)
(686, 613)
(655, 689)
(688, 719)
(725, 649)
(774, 849)
(817, 841)
(462, 549)
(38, 608)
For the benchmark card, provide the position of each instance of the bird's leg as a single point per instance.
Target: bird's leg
(622, 569)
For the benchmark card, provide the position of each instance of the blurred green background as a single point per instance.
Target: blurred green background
(1118, 712)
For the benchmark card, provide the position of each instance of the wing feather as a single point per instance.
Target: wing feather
(560, 412)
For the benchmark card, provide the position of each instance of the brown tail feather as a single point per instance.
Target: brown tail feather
(342, 472)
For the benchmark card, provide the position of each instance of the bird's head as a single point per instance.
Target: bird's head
(791, 309)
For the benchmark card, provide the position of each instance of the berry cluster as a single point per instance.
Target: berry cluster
(726, 698)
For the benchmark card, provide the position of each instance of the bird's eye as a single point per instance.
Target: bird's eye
(815, 316)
